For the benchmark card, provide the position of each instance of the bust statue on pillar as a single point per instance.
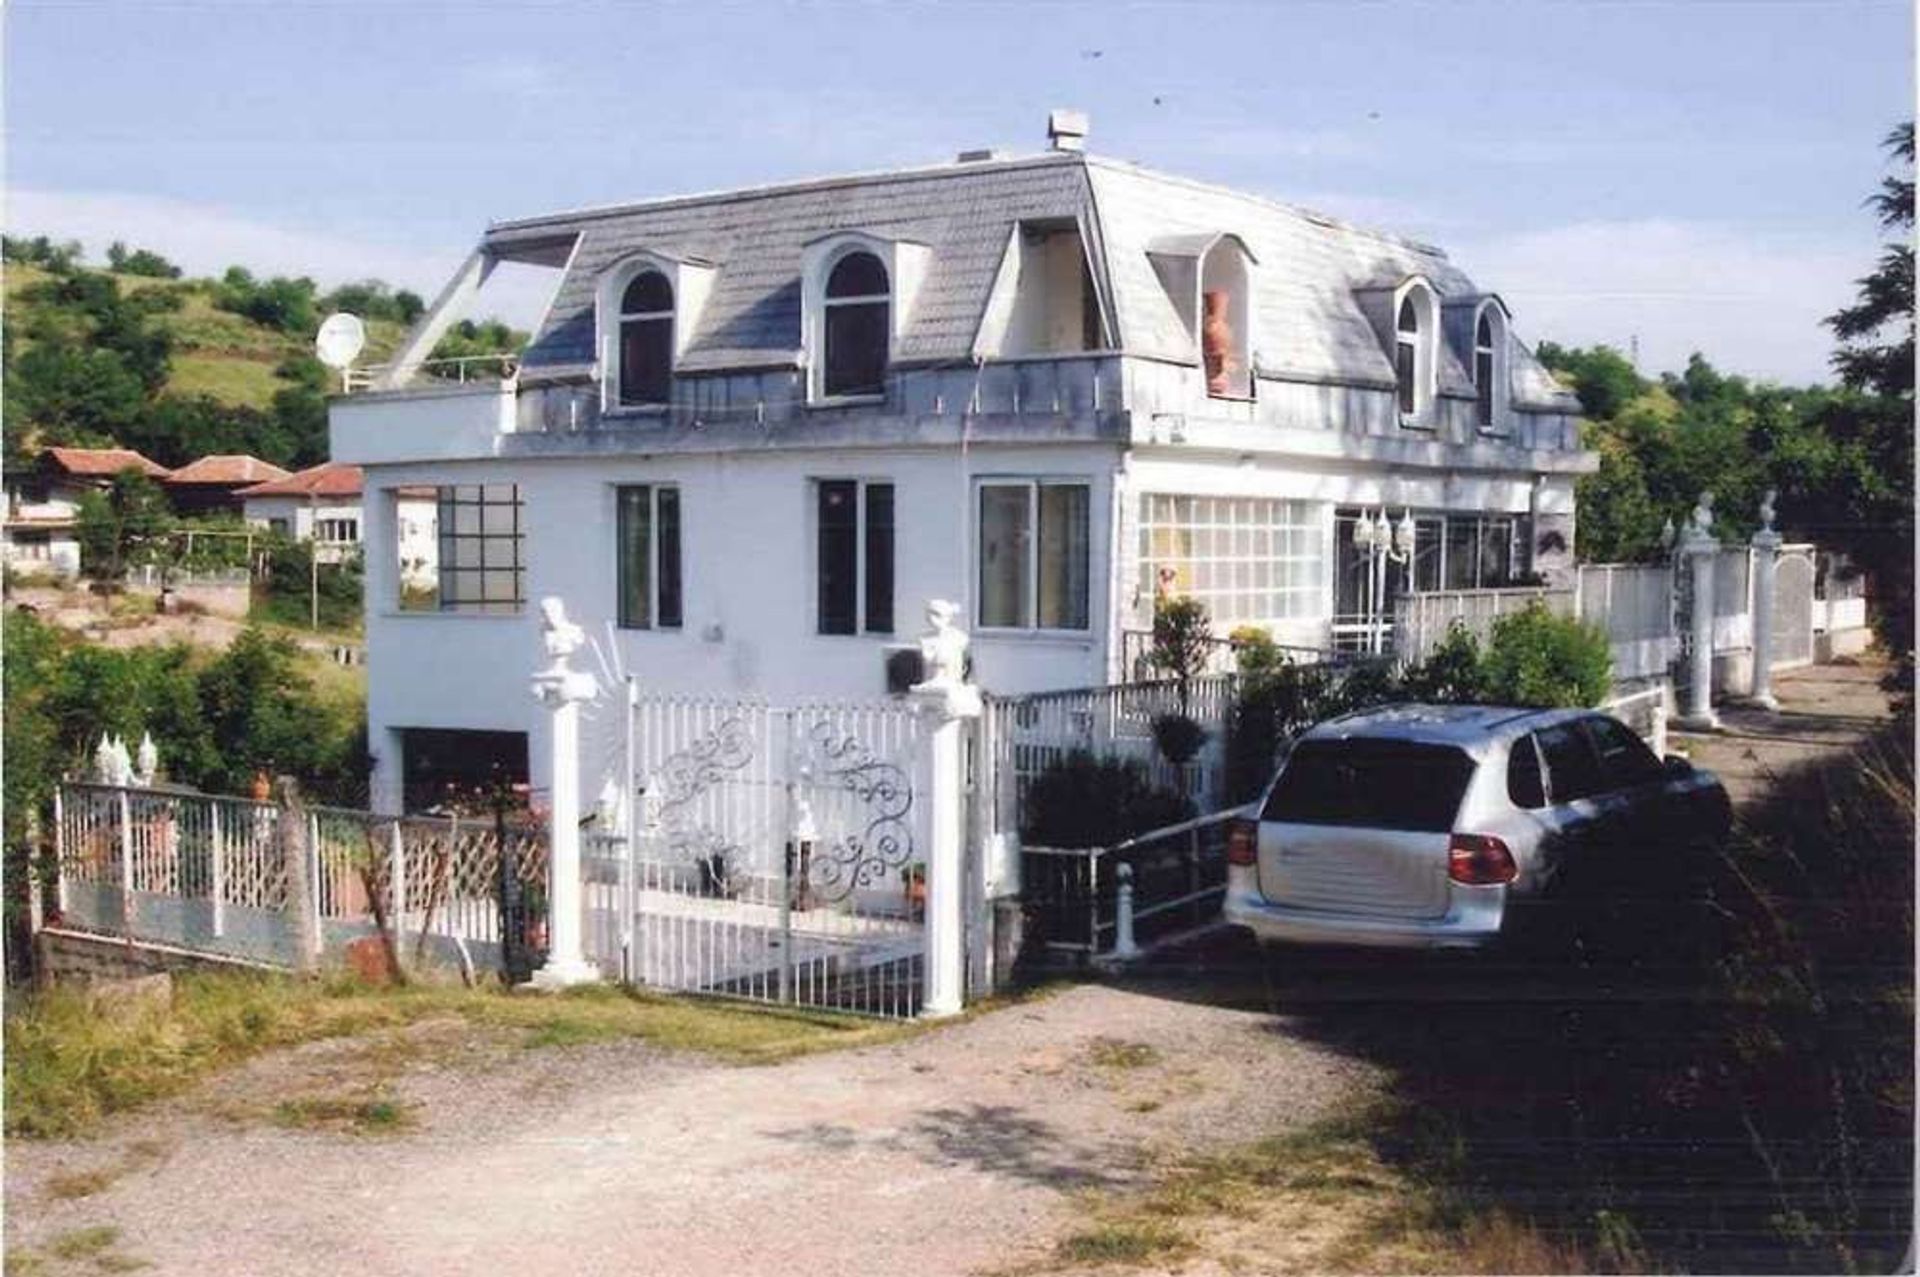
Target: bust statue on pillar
(561, 690)
(561, 638)
(1766, 564)
(1698, 548)
(943, 649)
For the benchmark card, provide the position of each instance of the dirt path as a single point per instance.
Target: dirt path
(944, 1153)
(1824, 709)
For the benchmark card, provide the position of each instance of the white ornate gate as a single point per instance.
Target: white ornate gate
(775, 854)
(1793, 606)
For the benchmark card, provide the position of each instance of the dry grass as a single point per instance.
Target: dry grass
(67, 1066)
(1321, 1200)
(1114, 1053)
(354, 1115)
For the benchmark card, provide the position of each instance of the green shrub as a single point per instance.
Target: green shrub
(1453, 673)
(1178, 737)
(1182, 637)
(1536, 657)
(1088, 801)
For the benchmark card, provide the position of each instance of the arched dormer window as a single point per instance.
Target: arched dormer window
(1483, 371)
(1415, 326)
(646, 340)
(1406, 356)
(856, 326)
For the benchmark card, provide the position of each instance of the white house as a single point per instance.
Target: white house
(322, 504)
(43, 505)
(755, 430)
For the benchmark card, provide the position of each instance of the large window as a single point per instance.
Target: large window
(855, 325)
(648, 529)
(1249, 559)
(853, 526)
(646, 340)
(337, 531)
(478, 538)
(1033, 555)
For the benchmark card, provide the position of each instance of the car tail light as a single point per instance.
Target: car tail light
(1480, 860)
(1243, 842)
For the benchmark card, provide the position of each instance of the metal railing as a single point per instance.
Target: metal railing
(1178, 874)
(461, 370)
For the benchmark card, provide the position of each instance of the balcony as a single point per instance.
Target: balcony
(455, 409)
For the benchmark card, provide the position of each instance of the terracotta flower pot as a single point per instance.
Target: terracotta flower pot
(262, 788)
(1216, 342)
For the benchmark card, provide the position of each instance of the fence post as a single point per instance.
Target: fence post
(1766, 563)
(397, 883)
(1700, 550)
(945, 702)
(124, 809)
(1124, 949)
(302, 898)
(219, 841)
(562, 690)
(60, 848)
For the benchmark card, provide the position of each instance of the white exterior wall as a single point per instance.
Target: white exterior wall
(748, 549)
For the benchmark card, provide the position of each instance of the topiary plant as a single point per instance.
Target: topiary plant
(1088, 801)
(1178, 737)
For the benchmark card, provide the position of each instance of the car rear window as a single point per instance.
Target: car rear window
(1372, 784)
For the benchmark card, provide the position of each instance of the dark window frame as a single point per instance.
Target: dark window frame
(855, 597)
(500, 552)
(1031, 568)
(662, 533)
(653, 327)
(1484, 365)
(855, 323)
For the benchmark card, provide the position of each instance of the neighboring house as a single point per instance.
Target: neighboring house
(322, 504)
(319, 504)
(43, 505)
(211, 485)
(756, 430)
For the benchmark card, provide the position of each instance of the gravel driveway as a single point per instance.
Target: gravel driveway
(947, 1152)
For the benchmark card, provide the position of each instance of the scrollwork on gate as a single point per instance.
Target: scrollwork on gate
(884, 842)
(683, 777)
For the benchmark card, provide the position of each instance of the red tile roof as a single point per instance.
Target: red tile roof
(228, 471)
(328, 479)
(104, 462)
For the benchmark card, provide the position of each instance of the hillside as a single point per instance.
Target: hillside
(178, 368)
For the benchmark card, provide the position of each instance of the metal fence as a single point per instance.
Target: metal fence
(1178, 873)
(213, 874)
(774, 854)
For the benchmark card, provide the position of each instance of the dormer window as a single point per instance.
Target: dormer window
(1208, 278)
(1483, 371)
(1416, 328)
(856, 327)
(646, 341)
(1406, 357)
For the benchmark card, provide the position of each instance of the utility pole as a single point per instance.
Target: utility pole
(313, 566)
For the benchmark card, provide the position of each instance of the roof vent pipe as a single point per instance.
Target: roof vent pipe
(1067, 129)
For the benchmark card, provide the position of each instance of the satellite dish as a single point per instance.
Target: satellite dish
(340, 339)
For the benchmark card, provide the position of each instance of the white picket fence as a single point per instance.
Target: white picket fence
(210, 873)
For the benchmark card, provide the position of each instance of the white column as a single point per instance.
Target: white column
(1766, 559)
(946, 703)
(562, 691)
(1698, 548)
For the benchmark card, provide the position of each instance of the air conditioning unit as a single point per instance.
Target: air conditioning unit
(904, 667)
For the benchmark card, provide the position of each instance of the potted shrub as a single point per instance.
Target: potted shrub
(1178, 737)
(913, 882)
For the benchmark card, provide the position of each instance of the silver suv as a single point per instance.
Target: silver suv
(1456, 826)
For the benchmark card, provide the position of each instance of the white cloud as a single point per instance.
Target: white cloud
(1749, 301)
(205, 239)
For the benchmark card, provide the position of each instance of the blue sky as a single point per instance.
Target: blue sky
(1688, 172)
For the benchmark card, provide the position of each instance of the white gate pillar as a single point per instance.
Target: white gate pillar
(562, 690)
(1698, 548)
(945, 701)
(1766, 562)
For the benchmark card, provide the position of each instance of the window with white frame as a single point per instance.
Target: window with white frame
(1483, 371)
(853, 539)
(1250, 560)
(646, 341)
(1415, 327)
(855, 327)
(1034, 537)
(337, 531)
(479, 565)
(647, 532)
(1406, 357)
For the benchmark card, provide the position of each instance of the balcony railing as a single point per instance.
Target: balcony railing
(461, 370)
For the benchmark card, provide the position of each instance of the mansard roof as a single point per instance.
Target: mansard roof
(1309, 324)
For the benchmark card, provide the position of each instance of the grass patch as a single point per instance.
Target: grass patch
(377, 1116)
(70, 1185)
(1321, 1199)
(83, 1243)
(67, 1066)
(1126, 1242)
(24, 1263)
(1115, 1053)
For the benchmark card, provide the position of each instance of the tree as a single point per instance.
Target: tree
(1602, 377)
(140, 261)
(116, 525)
(1873, 428)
